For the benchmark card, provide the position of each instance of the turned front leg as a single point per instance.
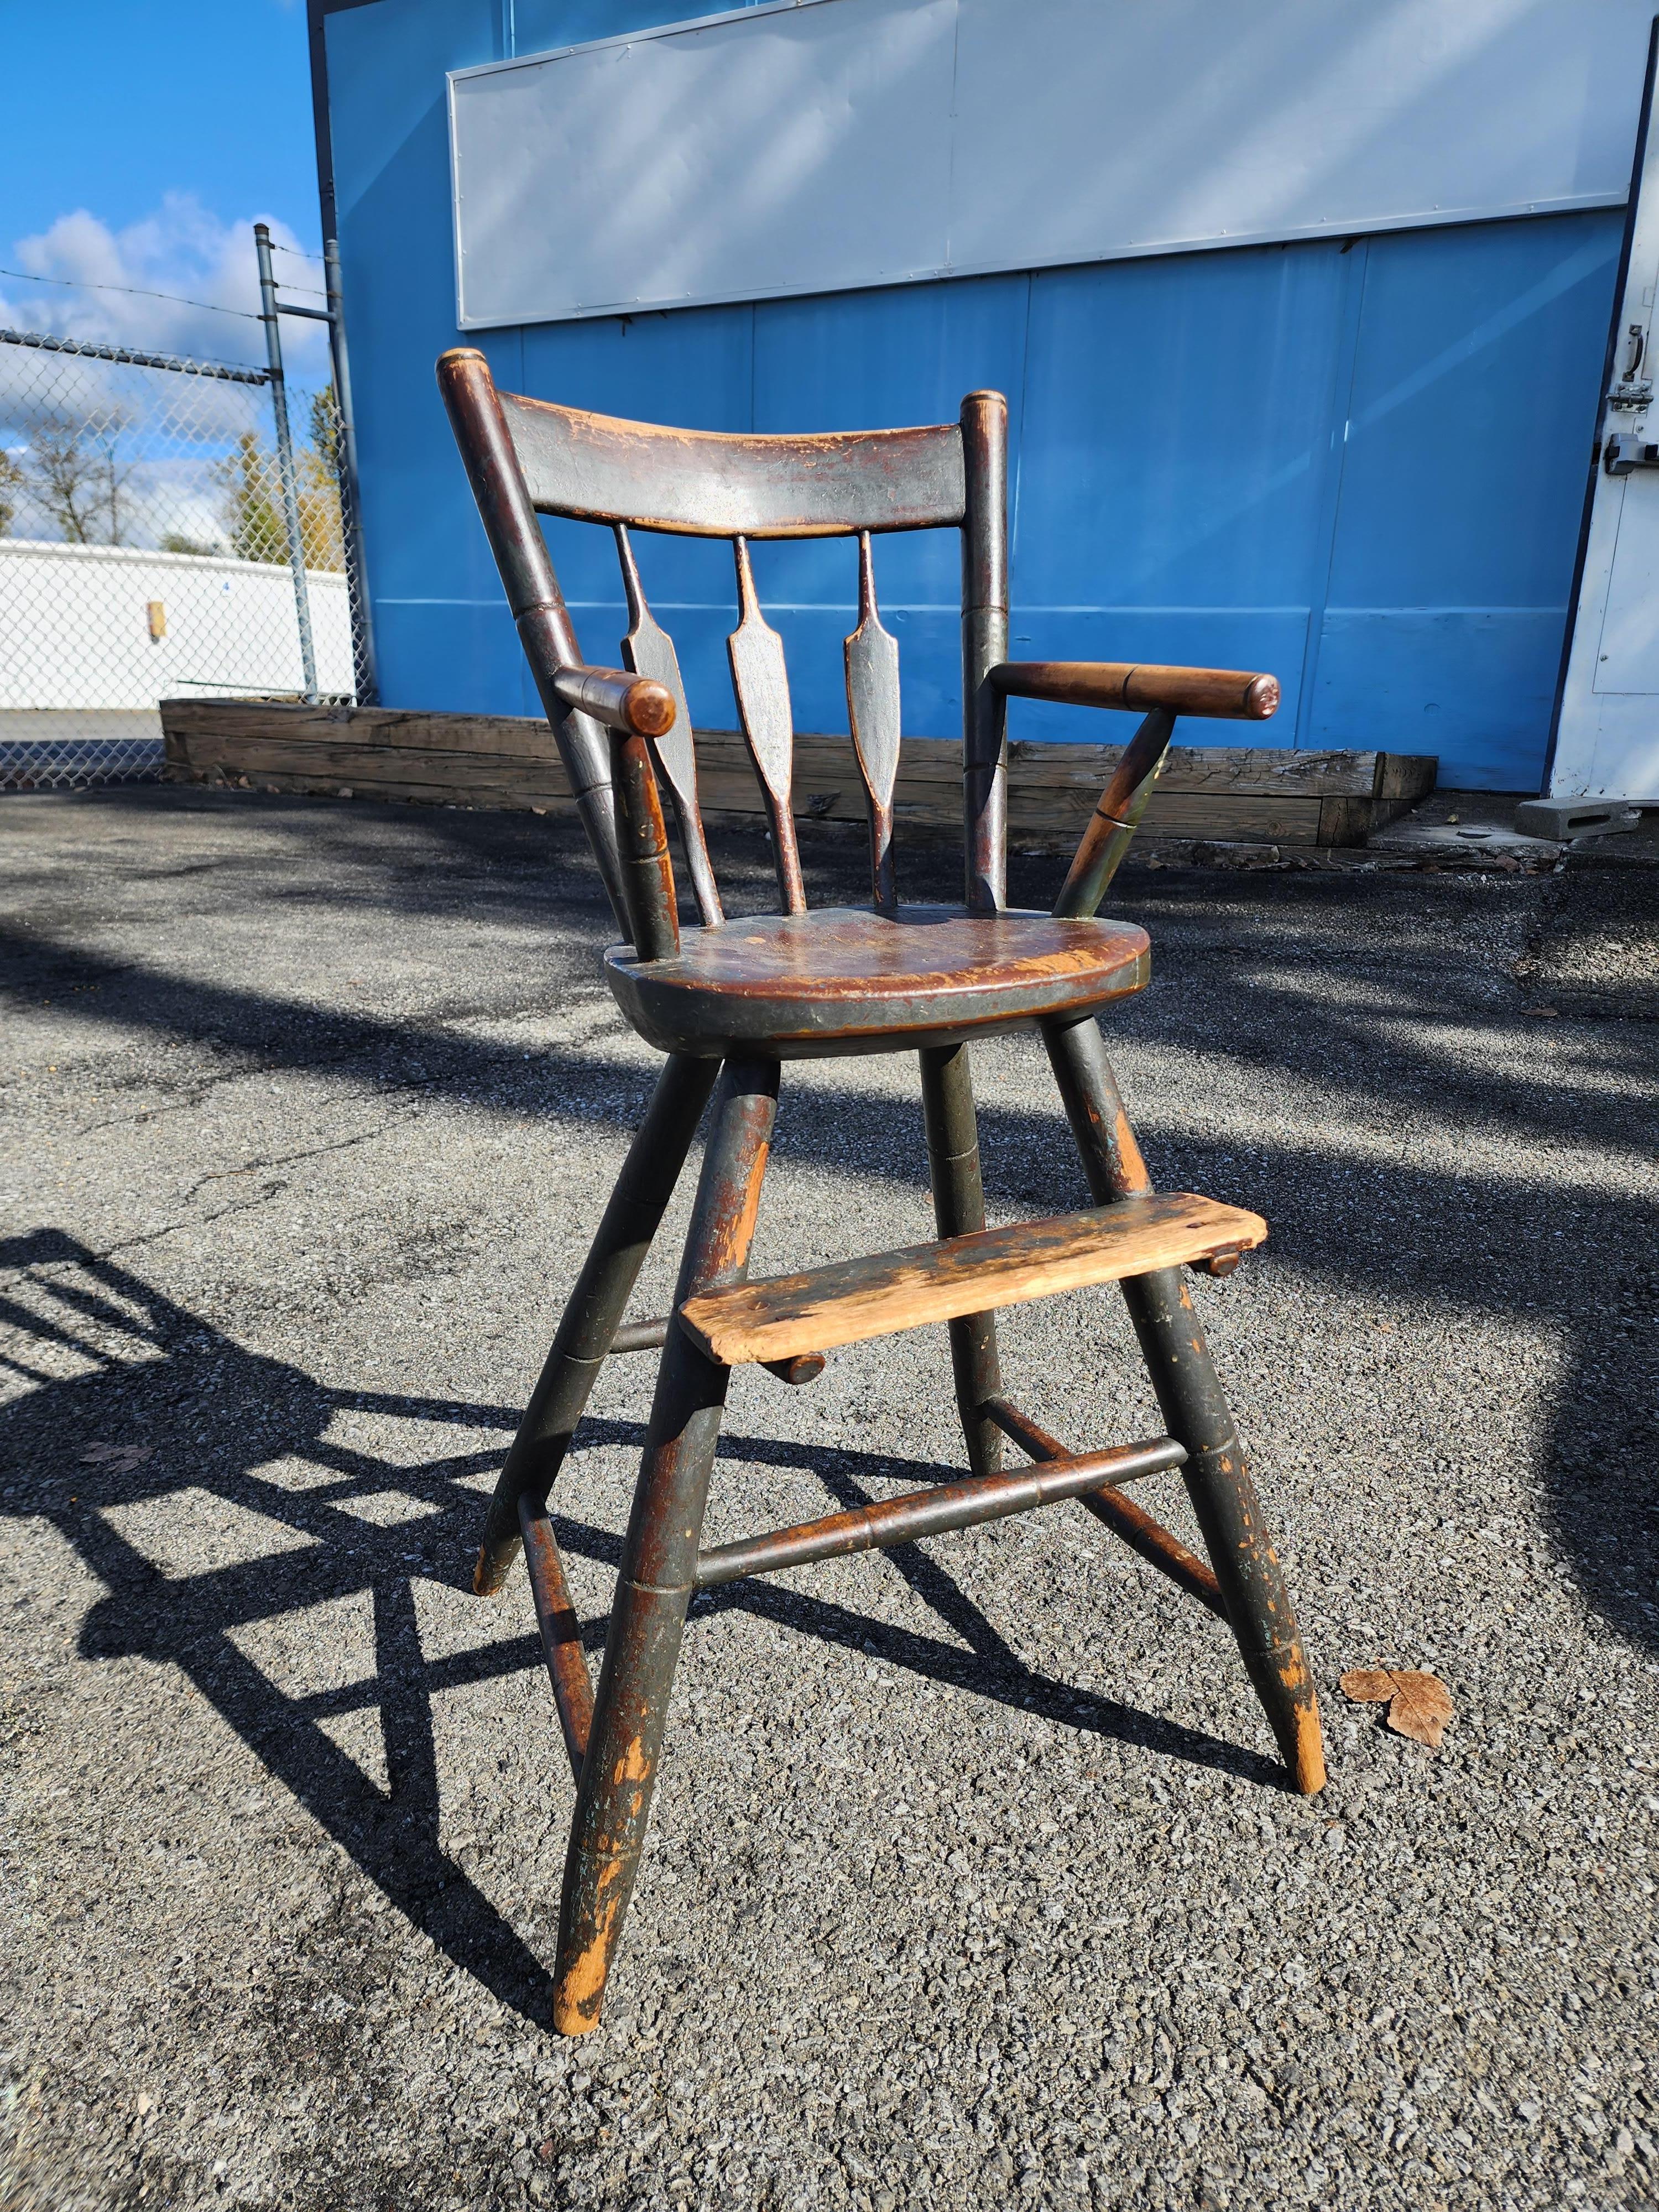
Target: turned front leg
(657, 1579)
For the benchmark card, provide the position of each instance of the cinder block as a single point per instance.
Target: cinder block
(1564, 818)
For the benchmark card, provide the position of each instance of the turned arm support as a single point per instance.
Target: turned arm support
(635, 704)
(634, 710)
(1230, 694)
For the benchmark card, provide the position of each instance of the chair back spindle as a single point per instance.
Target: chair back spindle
(648, 650)
(528, 458)
(762, 684)
(872, 712)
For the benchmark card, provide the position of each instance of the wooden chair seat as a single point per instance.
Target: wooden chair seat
(847, 979)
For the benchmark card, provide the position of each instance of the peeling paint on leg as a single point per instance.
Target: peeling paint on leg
(634, 1766)
(1308, 1768)
(581, 1991)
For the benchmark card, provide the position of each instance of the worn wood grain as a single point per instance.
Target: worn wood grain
(1118, 812)
(1245, 794)
(853, 1299)
(561, 1630)
(504, 737)
(984, 420)
(1137, 1529)
(647, 873)
(1234, 693)
(712, 483)
(844, 979)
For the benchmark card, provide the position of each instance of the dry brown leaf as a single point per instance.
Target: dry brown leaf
(1369, 1686)
(118, 1457)
(1419, 1703)
(1421, 1707)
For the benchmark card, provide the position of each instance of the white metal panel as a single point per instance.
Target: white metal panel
(1607, 735)
(835, 143)
(1133, 128)
(799, 149)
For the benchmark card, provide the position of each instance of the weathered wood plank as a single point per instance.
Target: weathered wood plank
(1245, 770)
(853, 1299)
(373, 765)
(509, 736)
(1234, 793)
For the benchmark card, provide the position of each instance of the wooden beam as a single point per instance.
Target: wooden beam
(853, 1299)
(1237, 793)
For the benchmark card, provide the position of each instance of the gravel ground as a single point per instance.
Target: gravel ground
(971, 1877)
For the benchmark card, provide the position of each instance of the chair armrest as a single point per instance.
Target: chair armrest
(1233, 693)
(1228, 694)
(635, 704)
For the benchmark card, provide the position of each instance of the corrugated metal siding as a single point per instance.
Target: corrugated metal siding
(1362, 468)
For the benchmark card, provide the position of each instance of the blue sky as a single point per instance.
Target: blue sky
(144, 138)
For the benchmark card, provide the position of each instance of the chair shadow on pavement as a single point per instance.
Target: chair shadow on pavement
(208, 1415)
(1350, 986)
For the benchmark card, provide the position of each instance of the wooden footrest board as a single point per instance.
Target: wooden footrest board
(853, 1299)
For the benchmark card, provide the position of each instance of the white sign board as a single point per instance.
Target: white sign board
(821, 145)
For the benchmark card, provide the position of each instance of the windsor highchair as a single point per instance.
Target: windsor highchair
(728, 1002)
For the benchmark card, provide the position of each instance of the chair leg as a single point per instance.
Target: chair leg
(947, 1105)
(590, 1320)
(655, 1580)
(1196, 1413)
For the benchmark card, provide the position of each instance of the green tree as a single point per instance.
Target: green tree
(325, 431)
(11, 481)
(252, 484)
(252, 501)
(321, 527)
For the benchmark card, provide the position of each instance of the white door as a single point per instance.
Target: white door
(1606, 736)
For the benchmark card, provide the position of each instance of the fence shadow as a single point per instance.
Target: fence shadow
(180, 1409)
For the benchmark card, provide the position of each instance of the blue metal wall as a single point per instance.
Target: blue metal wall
(1361, 464)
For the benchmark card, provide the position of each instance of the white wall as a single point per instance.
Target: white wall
(74, 627)
(820, 145)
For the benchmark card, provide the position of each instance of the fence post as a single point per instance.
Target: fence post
(362, 632)
(296, 551)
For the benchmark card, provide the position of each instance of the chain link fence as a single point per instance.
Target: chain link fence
(147, 552)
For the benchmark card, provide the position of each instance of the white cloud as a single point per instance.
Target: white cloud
(150, 450)
(181, 249)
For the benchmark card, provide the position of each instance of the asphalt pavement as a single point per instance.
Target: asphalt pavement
(971, 1877)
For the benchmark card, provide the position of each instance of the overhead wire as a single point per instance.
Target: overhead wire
(135, 291)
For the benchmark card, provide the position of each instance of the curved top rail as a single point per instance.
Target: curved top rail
(712, 483)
